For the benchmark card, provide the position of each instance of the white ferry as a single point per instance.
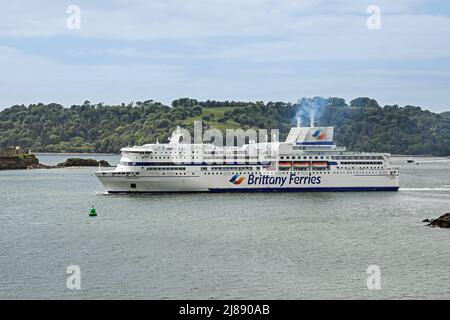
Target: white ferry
(307, 161)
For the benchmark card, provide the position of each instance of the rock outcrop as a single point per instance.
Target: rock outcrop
(442, 222)
(78, 162)
(39, 166)
(18, 162)
(30, 161)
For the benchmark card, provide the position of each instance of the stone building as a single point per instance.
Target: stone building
(11, 152)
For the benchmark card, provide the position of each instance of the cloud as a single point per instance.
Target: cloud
(266, 30)
(222, 49)
(344, 37)
(186, 19)
(32, 79)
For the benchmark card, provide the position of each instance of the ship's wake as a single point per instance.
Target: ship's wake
(433, 160)
(101, 193)
(426, 189)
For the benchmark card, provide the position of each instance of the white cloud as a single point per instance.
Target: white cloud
(272, 30)
(31, 79)
(186, 19)
(235, 33)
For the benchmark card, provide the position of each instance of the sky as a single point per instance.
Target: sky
(252, 50)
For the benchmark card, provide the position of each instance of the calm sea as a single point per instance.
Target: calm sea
(221, 246)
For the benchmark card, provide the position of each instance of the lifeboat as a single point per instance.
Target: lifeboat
(284, 165)
(320, 165)
(301, 165)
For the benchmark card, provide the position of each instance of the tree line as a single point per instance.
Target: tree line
(361, 125)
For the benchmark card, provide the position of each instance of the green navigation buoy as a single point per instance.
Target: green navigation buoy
(93, 212)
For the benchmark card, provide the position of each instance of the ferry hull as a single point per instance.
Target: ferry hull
(277, 182)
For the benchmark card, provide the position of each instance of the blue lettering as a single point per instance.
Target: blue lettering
(293, 179)
(281, 181)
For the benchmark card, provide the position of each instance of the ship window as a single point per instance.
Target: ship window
(133, 186)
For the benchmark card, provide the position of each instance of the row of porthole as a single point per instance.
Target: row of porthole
(285, 173)
(156, 155)
(304, 158)
(221, 173)
(124, 173)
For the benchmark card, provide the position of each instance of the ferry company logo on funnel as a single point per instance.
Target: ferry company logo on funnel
(237, 179)
(319, 134)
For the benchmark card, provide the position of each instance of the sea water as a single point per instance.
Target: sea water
(221, 246)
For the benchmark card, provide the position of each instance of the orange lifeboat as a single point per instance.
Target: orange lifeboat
(284, 165)
(301, 165)
(320, 165)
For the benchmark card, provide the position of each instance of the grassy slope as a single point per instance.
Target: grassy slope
(215, 114)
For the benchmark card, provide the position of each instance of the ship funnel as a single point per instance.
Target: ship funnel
(312, 120)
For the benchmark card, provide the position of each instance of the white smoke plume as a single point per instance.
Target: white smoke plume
(310, 109)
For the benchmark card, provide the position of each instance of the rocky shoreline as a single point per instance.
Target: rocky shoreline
(442, 222)
(79, 162)
(18, 162)
(32, 162)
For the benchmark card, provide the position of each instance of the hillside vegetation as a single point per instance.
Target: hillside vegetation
(360, 125)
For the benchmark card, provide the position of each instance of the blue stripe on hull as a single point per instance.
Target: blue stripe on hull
(317, 189)
(152, 192)
(243, 190)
